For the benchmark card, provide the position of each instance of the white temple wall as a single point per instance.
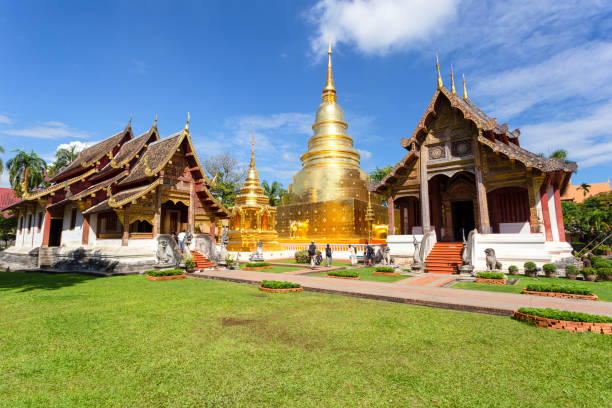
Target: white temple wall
(72, 237)
(29, 237)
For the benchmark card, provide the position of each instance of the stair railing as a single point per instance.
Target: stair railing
(427, 244)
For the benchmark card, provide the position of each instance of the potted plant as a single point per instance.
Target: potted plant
(589, 274)
(513, 270)
(189, 263)
(229, 261)
(571, 271)
(550, 270)
(531, 269)
(605, 273)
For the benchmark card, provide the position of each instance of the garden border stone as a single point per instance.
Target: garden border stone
(560, 295)
(543, 322)
(280, 290)
(493, 281)
(343, 277)
(385, 273)
(156, 278)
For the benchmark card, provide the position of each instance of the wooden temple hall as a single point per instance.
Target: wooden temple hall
(463, 170)
(122, 192)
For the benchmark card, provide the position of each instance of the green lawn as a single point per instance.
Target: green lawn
(278, 269)
(602, 289)
(293, 261)
(366, 274)
(77, 341)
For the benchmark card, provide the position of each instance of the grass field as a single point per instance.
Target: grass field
(602, 289)
(278, 269)
(77, 341)
(366, 274)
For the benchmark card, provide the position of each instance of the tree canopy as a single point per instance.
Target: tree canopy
(274, 191)
(378, 174)
(227, 175)
(17, 170)
(589, 220)
(63, 157)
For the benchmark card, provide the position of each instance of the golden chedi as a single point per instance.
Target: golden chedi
(328, 198)
(252, 219)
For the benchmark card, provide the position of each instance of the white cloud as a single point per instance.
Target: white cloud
(5, 120)
(47, 130)
(378, 26)
(78, 145)
(4, 179)
(365, 155)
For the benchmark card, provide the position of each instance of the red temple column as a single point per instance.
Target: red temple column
(85, 237)
(46, 228)
(545, 211)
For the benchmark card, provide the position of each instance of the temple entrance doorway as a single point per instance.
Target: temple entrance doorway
(463, 219)
(55, 232)
(174, 217)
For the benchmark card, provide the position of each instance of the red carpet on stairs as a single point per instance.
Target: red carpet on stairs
(201, 261)
(445, 257)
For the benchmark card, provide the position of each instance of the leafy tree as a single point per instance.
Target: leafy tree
(227, 176)
(380, 173)
(63, 157)
(585, 188)
(589, 220)
(274, 191)
(7, 229)
(17, 169)
(559, 154)
(1, 163)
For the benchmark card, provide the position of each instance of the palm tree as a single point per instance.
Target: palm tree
(585, 188)
(1, 164)
(63, 157)
(274, 191)
(17, 170)
(559, 154)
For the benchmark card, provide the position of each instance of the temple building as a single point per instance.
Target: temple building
(328, 198)
(464, 171)
(252, 218)
(113, 200)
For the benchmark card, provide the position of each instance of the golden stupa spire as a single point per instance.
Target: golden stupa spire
(155, 123)
(253, 149)
(464, 89)
(329, 92)
(453, 91)
(187, 124)
(440, 84)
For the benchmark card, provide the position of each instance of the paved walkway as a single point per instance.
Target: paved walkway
(458, 299)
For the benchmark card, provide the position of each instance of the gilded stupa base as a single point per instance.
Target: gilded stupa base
(246, 241)
(337, 221)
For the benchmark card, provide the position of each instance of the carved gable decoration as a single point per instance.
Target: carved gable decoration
(437, 152)
(461, 148)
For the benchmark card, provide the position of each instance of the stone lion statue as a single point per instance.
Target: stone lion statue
(492, 260)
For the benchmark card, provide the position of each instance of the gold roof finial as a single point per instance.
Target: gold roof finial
(465, 96)
(155, 123)
(440, 84)
(187, 124)
(329, 92)
(453, 91)
(130, 121)
(253, 149)
(24, 182)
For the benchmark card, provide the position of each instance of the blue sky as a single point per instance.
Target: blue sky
(73, 71)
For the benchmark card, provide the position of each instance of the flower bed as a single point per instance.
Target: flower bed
(279, 287)
(255, 266)
(563, 320)
(495, 278)
(385, 270)
(560, 295)
(343, 274)
(166, 274)
(567, 292)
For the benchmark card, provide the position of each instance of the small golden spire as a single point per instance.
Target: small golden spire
(329, 92)
(253, 149)
(453, 91)
(130, 121)
(155, 123)
(440, 84)
(24, 182)
(465, 96)
(187, 124)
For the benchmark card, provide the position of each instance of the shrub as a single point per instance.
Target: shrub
(512, 268)
(256, 264)
(530, 267)
(301, 257)
(602, 272)
(549, 268)
(387, 269)
(599, 262)
(535, 287)
(571, 270)
(491, 275)
(271, 284)
(601, 250)
(588, 271)
(189, 263)
(565, 315)
(166, 272)
(344, 273)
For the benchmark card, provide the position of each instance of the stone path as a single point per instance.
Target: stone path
(458, 299)
(427, 280)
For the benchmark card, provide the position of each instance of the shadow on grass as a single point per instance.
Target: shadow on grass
(28, 281)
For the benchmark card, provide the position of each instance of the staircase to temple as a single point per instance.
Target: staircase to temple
(201, 261)
(445, 257)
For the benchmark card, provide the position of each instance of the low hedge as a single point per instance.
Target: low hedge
(599, 262)
(272, 284)
(344, 273)
(302, 257)
(167, 272)
(256, 264)
(491, 275)
(589, 271)
(572, 270)
(601, 272)
(565, 315)
(537, 287)
(512, 268)
(386, 269)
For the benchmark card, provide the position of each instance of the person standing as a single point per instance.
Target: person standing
(370, 254)
(328, 255)
(353, 255)
(312, 252)
(181, 240)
